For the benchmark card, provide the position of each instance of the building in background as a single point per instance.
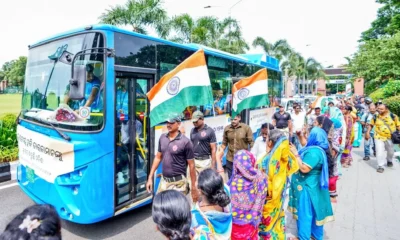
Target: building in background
(336, 80)
(3, 85)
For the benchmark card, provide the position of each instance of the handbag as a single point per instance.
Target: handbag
(395, 135)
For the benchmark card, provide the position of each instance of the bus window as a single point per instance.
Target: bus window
(221, 83)
(134, 51)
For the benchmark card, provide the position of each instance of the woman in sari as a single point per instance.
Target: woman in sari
(336, 113)
(348, 121)
(214, 209)
(248, 187)
(309, 196)
(278, 164)
(337, 150)
(328, 126)
(357, 127)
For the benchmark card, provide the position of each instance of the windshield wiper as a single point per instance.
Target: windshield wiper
(63, 135)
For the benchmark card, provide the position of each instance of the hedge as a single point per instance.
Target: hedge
(8, 138)
(394, 104)
(377, 94)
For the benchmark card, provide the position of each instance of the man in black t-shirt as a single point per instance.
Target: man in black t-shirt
(175, 151)
(204, 143)
(282, 121)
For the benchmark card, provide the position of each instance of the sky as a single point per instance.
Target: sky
(325, 30)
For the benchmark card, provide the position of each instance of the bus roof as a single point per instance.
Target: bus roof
(245, 58)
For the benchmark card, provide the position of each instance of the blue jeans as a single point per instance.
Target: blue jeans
(367, 145)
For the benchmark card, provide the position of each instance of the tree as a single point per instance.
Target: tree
(224, 35)
(387, 22)
(294, 62)
(139, 14)
(314, 71)
(280, 49)
(14, 71)
(184, 26)
(377, 60)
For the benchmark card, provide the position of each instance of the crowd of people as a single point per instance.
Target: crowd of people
(294, 164)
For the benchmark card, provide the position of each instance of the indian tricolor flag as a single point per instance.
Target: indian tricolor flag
(250, 92)
(187, 85)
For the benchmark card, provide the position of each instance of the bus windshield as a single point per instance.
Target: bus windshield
(45, 95)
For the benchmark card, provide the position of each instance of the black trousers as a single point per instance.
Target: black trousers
(229, 168)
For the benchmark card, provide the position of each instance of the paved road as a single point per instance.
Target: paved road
(368, 208)
(368, 204)
(137, 224)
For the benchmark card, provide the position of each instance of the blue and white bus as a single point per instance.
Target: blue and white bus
(88, 152)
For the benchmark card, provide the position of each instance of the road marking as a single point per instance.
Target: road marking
(8, 186)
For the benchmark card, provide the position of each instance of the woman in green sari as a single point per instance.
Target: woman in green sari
(309, 195)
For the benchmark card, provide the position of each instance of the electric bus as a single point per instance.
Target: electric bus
(85, 140)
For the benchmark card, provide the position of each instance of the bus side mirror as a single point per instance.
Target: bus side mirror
(78, 82)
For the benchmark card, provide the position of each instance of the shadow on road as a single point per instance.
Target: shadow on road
(110, 227)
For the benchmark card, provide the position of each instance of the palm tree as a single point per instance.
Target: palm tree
(294, 62)
(280, 49)
(138, 14)
(184, 26)
(225, 35)
(314, 71)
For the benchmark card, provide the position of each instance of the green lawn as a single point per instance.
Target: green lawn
(10, 103)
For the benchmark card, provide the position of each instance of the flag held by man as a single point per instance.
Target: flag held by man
(186, 85)
(250, 92)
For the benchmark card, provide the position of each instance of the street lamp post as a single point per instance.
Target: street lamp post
(229, 13)
(286, 82)
(229, 9)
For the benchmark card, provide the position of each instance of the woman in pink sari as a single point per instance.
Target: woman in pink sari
(348, 120)
(248, 187)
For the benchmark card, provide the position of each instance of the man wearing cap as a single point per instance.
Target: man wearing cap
(237, 136)
(175, 151)
(282, 121)
(204, 143)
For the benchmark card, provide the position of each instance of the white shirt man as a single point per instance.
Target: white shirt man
(260, 144)
(298, 120)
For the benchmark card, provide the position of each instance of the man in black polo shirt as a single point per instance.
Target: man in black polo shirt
(175, 151)
(204, 143)
(282, 121)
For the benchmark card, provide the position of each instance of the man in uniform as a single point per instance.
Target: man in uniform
(204, 143)
(175, 151)
(282, 121)
(237, 136)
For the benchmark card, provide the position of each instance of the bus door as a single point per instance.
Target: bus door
(133, 135)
